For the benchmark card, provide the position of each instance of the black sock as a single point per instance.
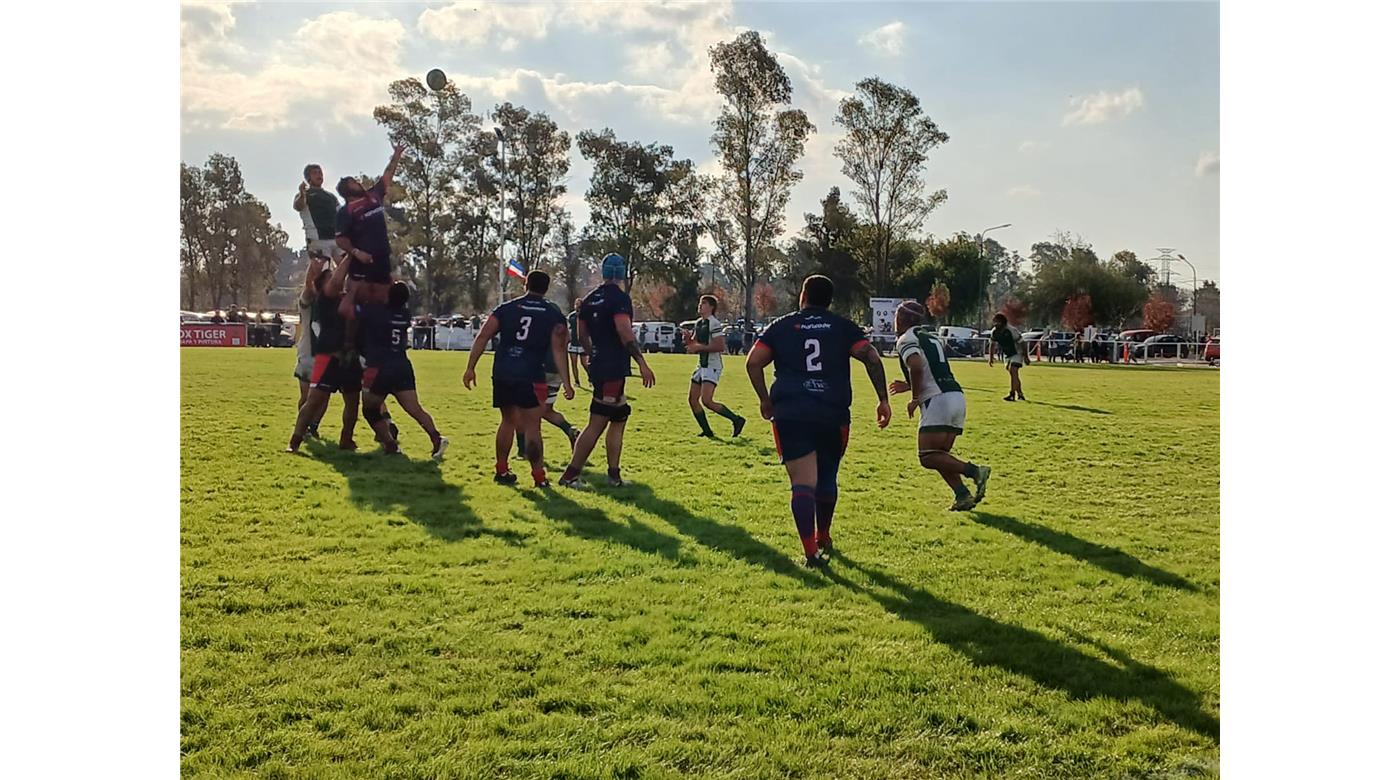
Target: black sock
(520, 442)
(562, 425)
(969, 469)
(615, 473)
(961, 491)
(704, 424)
(804, 516)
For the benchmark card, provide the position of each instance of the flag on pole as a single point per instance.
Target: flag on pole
(514, 268)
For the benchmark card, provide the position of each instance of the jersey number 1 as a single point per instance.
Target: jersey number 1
(814, 354)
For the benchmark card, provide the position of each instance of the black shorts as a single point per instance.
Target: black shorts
(395, 377)
(520, 393)
(609, 391)
(797, 439)
(334, 373)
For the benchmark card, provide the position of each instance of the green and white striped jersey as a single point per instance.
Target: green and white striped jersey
(937, 375)
(707, 328)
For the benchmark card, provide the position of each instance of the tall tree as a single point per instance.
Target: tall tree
(759, 144)
(827, 246)
(570, 263)
(630, 199)
(1078, 313)
(1159, 313)
(1127, 262)
(536, 166)
(884, 152)
(228, 245)
(954, 263)
(440, 134)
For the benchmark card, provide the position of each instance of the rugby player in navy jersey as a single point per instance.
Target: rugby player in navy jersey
(388, 371)
(362, 233)
(333, 368)
(605, 332)
(810, 403)
(529, 327)
(939, 400)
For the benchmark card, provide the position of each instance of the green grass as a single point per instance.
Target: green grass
(351, 615)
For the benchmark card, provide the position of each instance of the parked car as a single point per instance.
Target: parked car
(1141, 334)
(658, 337)
(1161, 345)
(1212, 350)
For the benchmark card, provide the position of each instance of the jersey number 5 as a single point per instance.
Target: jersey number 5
(814, 353)
(524, 329)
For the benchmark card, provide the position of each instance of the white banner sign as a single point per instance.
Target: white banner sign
(882, 314)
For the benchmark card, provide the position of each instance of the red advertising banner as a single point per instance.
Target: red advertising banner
(203, 334)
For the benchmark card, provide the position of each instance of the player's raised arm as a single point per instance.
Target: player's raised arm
(759, 358)
(389, 169)
(623, 323)
(483, 337)
(337, 282)
(866, 353)
(313, 270)
(299, 202)
(559, 346)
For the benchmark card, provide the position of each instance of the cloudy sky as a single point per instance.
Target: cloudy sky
(1097, 118)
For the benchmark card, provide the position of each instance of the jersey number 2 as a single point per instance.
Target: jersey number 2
(814, 354)
(524, 329)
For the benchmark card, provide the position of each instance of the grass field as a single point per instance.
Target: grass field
(357, 616)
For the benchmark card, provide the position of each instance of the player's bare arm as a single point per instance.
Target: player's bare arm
(308, 289)
(916, 379)
(299, 202)
(759, 358)
(584, 342)
(623, 323)
(875, 368)
(337, 283)
(560, 349)
(393, 166)
(488, 329)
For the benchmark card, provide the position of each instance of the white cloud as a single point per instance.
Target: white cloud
(1028, 147)
(1023, 191)
(482, 22)
(887, 39)
(1103, 106)
(650, 61)
(304, 77)
(1208, 164)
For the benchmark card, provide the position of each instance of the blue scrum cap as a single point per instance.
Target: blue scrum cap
(614, 267)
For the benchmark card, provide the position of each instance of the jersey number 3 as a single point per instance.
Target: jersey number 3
(524, 332)
(814, 353)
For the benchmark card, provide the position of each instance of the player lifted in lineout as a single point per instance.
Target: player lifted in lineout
(388, 371)
(529, 327)
(810, 404)
(333, 368)
(318, 209)
(605, 332)
(362, 233)
(1009, 341)
(708, 342)
(939, 400)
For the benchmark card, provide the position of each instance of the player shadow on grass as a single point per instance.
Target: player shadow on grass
(1109, 559)
(731, 540)
(594, 524)
(413, 489)
(1069, 407)
(1031, 654)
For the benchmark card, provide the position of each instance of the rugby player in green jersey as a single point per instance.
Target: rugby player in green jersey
(708, 342)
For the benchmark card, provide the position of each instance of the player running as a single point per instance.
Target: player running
(333, 368)
(605, 332)
(939, 399)
(810, 404)
(1009, 340)
(529, 326)
(389, 372)
(708, 342)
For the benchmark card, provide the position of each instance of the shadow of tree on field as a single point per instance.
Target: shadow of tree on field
(1109, 559)
(732, 540)
(1030, 654)
(594, 524)
(415, 489)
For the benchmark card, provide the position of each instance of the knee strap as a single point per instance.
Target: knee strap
(615, 413)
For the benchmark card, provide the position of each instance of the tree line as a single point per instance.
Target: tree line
(462, 190)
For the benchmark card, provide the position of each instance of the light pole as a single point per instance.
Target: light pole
(986, 293)
(501, 140)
